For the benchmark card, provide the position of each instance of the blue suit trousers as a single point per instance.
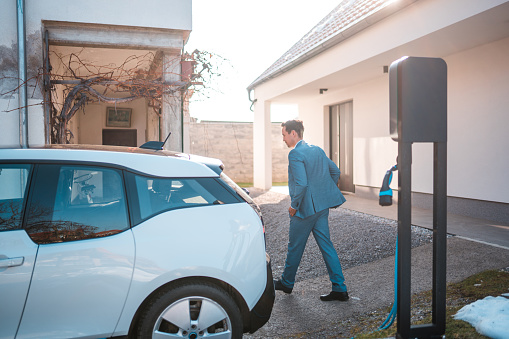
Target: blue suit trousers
(300, 229)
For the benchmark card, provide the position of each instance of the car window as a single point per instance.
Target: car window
(76, 202)
(13, 186)
(155, 195)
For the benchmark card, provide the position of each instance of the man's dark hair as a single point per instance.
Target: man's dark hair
(294, 125)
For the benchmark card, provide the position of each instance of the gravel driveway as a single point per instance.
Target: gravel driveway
(366, 246)
(359, 239)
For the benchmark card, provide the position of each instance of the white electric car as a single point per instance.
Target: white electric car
(106, 241)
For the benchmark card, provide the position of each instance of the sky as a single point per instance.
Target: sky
(251, 35)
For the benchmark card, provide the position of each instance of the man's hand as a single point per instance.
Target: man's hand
(292, 211)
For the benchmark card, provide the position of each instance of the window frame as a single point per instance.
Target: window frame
(132, 191)
(100, 165)
(128, 182)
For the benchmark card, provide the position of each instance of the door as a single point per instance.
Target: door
(17, 251)
(77, 214)
(341, 143)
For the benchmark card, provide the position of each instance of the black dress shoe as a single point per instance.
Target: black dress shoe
(341, 296)
(278, 285)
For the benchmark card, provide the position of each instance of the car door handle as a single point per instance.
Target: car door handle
(11, 262)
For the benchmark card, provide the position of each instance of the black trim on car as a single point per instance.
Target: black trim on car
(260, 314)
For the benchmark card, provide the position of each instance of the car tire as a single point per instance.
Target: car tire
(191, 311)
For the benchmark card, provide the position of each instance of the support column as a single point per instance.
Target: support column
(262, 146)
(172, 105)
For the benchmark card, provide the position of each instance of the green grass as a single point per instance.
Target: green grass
(245, 184)
(479, 286)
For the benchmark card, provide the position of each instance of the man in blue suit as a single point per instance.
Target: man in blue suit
(312, 182)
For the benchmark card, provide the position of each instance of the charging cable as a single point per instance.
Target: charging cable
(385, 199)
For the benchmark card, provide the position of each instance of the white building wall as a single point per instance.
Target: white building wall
(478, 101)
(478, 122)
(36, 133)
(177, 15)
(374, 151)
(9, 122)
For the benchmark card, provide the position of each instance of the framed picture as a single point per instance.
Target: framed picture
(118, 117)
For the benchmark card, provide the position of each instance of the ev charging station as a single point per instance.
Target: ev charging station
(418, 113)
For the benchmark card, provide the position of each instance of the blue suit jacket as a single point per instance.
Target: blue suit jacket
(312, 180)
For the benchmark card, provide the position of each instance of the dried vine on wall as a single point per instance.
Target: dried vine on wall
(138, 76)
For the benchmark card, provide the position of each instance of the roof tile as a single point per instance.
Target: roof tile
(345, 14)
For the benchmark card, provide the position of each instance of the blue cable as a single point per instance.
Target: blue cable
(386, 200)
(385, 197)
(392, 315)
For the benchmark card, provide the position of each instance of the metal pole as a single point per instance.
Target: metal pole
(437, 327)
(439, 235)
(22, 75)
(404, 237)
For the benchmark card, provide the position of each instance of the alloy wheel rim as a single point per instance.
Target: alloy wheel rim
(193, 317)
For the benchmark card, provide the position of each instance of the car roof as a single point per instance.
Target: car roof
(153, 162)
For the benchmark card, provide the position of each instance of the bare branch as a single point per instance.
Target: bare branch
(136, 77)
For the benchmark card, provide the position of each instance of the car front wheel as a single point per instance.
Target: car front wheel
(191, 311)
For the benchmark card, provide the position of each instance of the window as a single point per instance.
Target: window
(13, 186)
(76, 202)
(156, 195)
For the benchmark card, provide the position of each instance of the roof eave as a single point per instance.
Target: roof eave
(349, 31)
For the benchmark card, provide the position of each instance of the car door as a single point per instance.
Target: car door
(78, 217)
(17, 251)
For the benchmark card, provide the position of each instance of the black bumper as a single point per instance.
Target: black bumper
(260, 314)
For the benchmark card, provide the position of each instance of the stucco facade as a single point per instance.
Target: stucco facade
(105, 33)
(473, 39)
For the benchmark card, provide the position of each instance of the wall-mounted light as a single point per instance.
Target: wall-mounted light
(323, 90)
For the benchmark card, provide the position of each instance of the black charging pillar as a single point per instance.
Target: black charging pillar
(418, 113)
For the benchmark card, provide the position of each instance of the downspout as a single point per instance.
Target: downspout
(182, 103)
(249, 97)
(22, 75)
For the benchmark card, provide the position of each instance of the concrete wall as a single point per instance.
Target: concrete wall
(232, 142)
